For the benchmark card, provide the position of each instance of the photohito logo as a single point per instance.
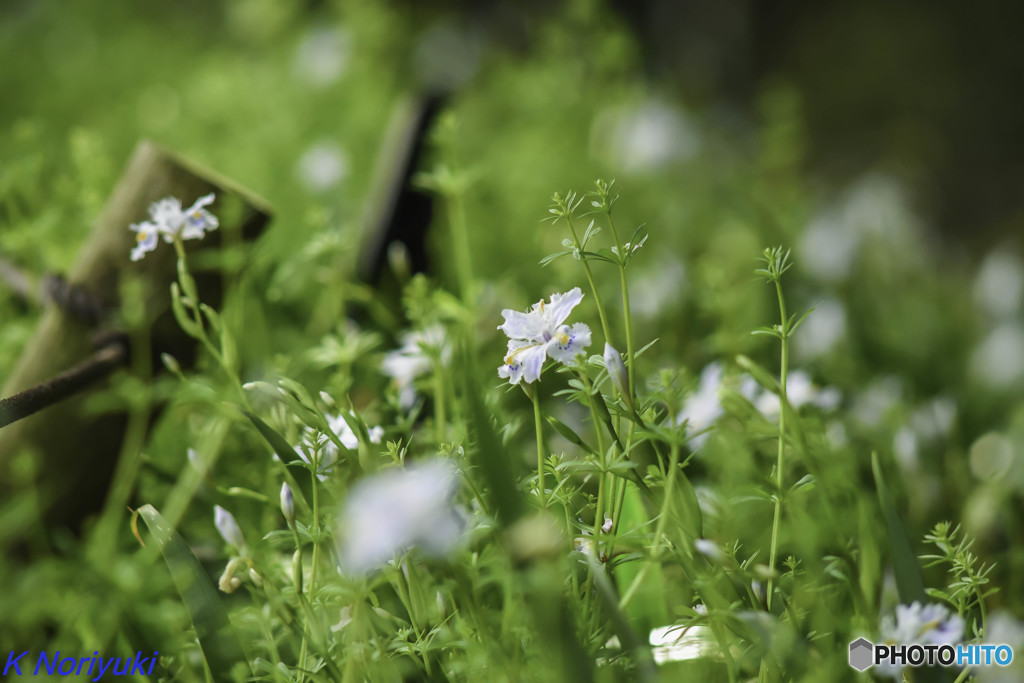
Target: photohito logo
(864, 654)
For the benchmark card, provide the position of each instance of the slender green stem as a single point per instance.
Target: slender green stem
(460, 240)
(541, 493)
(590, 281)
(440, 420)
(188, 286)
(783, 403)
(627, 315)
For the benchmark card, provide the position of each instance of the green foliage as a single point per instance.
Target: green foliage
(710, 493)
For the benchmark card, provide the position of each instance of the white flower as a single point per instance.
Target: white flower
(930, 624)
(228, 527)
(800, 391)
(145, 239)
(190, 224)
(328, 449)
(169, 220)
(413, 359)
(702, 408)
(397, 509)
(540, 333)
(322, 166)
(925, 624)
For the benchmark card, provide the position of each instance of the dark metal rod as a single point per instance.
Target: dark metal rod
(99, 366)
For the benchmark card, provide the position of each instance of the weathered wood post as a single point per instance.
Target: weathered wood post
(83, 339)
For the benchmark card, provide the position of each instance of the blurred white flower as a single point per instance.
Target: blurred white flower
(1003, 629)
(821, 331)
(659, 288)
(999, 284)
(800, 391)
(828, 248)
(169, 220)
(322, 166)
(228, 527)
(414, 359)
(873, 405)
(322, 56)
(873, 205)
(702, 407)
(645, 138)
(710, 549)
(538, 334)
(999, 360)
(398, 509)
(930, 624)
(328, 450)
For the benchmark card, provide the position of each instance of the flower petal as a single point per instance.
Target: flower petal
(522, 325)
(569, 342)
(561, 306)
(524, 359)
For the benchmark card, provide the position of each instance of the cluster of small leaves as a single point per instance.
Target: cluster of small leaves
(565, 208)
(969, 586)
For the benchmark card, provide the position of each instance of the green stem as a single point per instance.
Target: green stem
(460, 239)
(627, 315)
(440, 420)
(783, 403)
(541, 493)
(590, 282)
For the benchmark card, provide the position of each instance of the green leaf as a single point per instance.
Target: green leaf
(217, 638)
(793, 326)
(277, 442)
(178, 308)
(759, 373)
(909, 583)
(569, 434)
(551, 258)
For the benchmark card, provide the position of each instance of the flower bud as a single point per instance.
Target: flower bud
(255, 577)
(288, 504)
(228, 582)
(617, 371)
(228, 527)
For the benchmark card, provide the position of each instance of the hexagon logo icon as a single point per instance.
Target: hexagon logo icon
(861, 654)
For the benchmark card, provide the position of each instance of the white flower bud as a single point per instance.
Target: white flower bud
(228, 582)
(617, 371)
(288, 504)
(228, 527)
(255, 577)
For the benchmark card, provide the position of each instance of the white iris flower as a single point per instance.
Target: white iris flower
(168, 219)
(539, 334)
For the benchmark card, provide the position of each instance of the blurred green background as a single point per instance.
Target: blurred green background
(880, 143)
